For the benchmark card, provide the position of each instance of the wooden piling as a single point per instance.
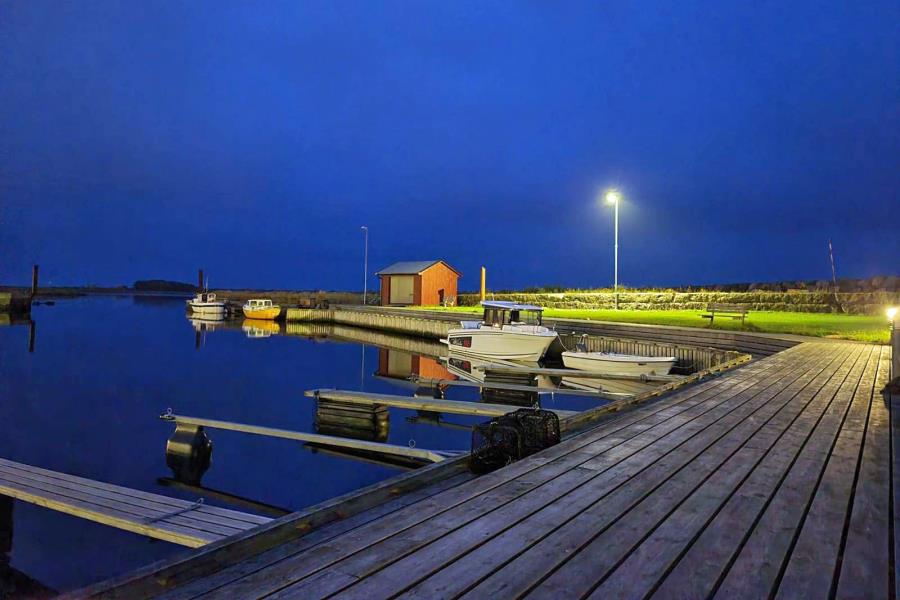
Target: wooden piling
(34, 280)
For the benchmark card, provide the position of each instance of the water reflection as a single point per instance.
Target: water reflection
(362, 422)
(260, 328)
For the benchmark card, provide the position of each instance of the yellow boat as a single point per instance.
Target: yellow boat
(261, 308)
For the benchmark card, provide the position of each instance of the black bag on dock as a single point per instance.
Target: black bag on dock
(512, 436)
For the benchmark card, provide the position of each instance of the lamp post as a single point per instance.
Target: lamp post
(365, 231)
(613, 197)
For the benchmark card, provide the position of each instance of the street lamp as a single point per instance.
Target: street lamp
(613, 197)
(365, 231)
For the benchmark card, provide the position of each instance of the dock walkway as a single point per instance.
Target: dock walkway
(774, 480)
(187, 523)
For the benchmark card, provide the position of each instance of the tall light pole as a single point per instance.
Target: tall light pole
(614, 197)
(365, 231)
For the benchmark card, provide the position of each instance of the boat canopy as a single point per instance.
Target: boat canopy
(503, 305)
(505, 313)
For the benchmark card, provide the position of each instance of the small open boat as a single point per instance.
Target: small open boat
(261, 308)
(625, 364)
(206, 304)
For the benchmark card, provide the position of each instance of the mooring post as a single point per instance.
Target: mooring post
(32, 329)
(483, 287)
(34, 280)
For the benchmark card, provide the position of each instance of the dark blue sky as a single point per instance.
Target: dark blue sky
(145, 139)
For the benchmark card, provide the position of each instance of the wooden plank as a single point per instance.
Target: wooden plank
(483, 409)
(561, 481)
(810, 569)
(705, 562)
(142, 511)
(164, 531)
(510, 550)
(866, 569)
(502, 549)
(588, 548)
(174, 503)
(227, 575)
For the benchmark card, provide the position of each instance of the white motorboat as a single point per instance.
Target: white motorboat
(624, 364)
(508, 331)
(205, 303)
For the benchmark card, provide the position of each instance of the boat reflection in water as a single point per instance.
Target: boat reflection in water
(259, 328)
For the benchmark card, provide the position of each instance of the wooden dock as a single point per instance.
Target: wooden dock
(775, 480)
(191, 524)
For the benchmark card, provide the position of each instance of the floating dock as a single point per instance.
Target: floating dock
(775, 480)
(481, 409)
(192, 524)
(346, 443)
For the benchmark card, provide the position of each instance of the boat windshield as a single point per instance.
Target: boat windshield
(503, 316)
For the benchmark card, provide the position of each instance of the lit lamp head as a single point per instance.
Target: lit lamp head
(613, 197)
(891, 313)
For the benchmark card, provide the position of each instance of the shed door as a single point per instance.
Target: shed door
(402, 289)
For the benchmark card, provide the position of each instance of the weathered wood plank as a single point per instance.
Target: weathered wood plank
(521, 568)
(125, 503)
(810, 568)
(503, 550)
(866, 569)
(174, 503)
(640, 545)
(709, 557)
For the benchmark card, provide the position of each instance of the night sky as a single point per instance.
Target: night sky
(147, 139)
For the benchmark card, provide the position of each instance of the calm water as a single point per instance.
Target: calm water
(87, 402)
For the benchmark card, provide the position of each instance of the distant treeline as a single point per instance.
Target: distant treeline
(162, 285)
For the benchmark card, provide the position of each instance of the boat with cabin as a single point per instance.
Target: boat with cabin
(207, 305)
(261, 308)
(508, 330)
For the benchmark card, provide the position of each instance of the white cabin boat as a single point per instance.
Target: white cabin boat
(508, 331)
(624, 364)
(206, 304)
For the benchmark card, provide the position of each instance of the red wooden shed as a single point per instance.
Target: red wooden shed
(421, 283)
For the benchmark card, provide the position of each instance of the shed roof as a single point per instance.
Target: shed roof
(412, 267)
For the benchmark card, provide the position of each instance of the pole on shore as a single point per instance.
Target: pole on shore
(34, 279)
(483, 287)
